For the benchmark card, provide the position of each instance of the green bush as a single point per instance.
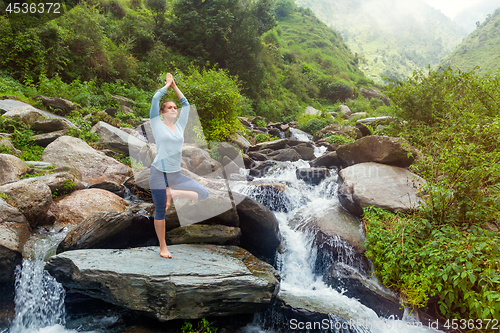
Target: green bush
(452, 118)
(22, 139)
(336, 91)
(422, 260)
(217, 98)
(312, 123)
(339, 139)
(458, 131)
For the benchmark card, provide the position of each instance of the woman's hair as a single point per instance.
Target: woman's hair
(165, 103)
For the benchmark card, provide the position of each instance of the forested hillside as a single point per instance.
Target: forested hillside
(393, 38)
(481, 48)
(281, 63)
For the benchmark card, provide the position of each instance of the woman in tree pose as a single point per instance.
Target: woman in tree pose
(166, 180)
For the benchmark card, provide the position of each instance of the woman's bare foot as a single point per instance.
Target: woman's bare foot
(169, 198)
(165, 253)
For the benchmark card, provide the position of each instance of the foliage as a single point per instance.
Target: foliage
(22, 138)
(423, 260)
(479, 50)
(217, 98)
(453, 117)
(339, 139)
(224, 32)
(283, 8)
(336, 91)
(312, 123)
(262, 137)
(204, 326)
(82, 129)
(39, 173)
(65, 188)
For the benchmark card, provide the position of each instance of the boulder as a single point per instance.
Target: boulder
(216, 209)
(199, 281)
(123, 100)
(383, 186)
(346, 131)
(312, 175)
(263, 168)
(311, 110)
(117, 140)
(259, 228)
(96, 231)
(230, 167)
(147, 154)
(373, 122)
(330, 222)
(6, 142)
(40, 165)
(8, 213)
(13, 235)
(305, 151)
(61, 182)
(11, 167)
(206, 234)
(199, 161)
(224, 149)
(299, 135)
(358, 115)
(240, 141)
(328, 160)
(93, 166)
(26, 114)
(378, 149)
(345, 111)
(257, 156)
(75, 207)
(373, 93)
(57, 103)
(7, 104)
(52, 125)
(45, 139)
(274, 145)
(32, 197)
(349, 282)
(285, 155)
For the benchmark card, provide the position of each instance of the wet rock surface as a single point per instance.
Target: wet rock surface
(199, 281)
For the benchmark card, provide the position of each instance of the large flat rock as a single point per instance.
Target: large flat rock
(199, 281)
(383, 186)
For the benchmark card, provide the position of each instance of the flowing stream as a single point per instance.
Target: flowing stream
(39, 299)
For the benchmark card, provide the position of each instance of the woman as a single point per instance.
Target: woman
(166, 180)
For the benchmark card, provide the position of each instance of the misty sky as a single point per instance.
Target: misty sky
(451, 7)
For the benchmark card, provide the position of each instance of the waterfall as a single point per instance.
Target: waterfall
(302, 282)
(39, 298)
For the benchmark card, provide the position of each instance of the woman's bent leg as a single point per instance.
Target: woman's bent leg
(185, 187)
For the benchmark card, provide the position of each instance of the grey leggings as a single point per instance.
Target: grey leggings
(158, 183)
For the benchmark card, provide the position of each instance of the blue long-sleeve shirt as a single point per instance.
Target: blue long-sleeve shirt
(168, 144)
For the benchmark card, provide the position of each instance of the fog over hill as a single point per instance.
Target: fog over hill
(391, 37)
(469, 17)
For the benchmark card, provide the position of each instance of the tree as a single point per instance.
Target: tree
(224, 32)
(158, 7)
